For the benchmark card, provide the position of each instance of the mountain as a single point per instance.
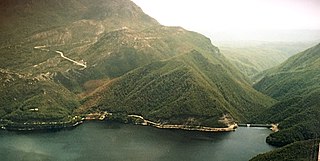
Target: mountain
(295, 84)
(65, 58)
(253, 57)
(43, 54)
(20, 19)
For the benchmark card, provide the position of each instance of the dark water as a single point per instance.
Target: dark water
(101, 141)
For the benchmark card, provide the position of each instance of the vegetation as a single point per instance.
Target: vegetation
(298, 151)
(298, 118)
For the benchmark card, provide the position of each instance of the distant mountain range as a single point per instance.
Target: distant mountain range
(275, 35)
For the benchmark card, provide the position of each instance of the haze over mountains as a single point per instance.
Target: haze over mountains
(253, 57)
(232, 20)
(293, 36)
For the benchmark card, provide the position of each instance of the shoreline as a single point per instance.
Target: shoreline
(199, 128)
(140, 120)
(41, 126)
(126, 119)
(34, 127)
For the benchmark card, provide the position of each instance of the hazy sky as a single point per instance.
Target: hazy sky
(235, 17)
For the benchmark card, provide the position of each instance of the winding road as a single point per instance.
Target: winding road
(145, 121)
(83, 64)
(78, 63)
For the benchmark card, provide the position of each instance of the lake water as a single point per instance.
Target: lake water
(102, 141)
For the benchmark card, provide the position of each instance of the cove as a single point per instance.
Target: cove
(105, 141)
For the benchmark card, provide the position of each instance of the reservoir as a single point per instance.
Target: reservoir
(105, 141)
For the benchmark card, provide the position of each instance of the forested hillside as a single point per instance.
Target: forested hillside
(181, 89)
